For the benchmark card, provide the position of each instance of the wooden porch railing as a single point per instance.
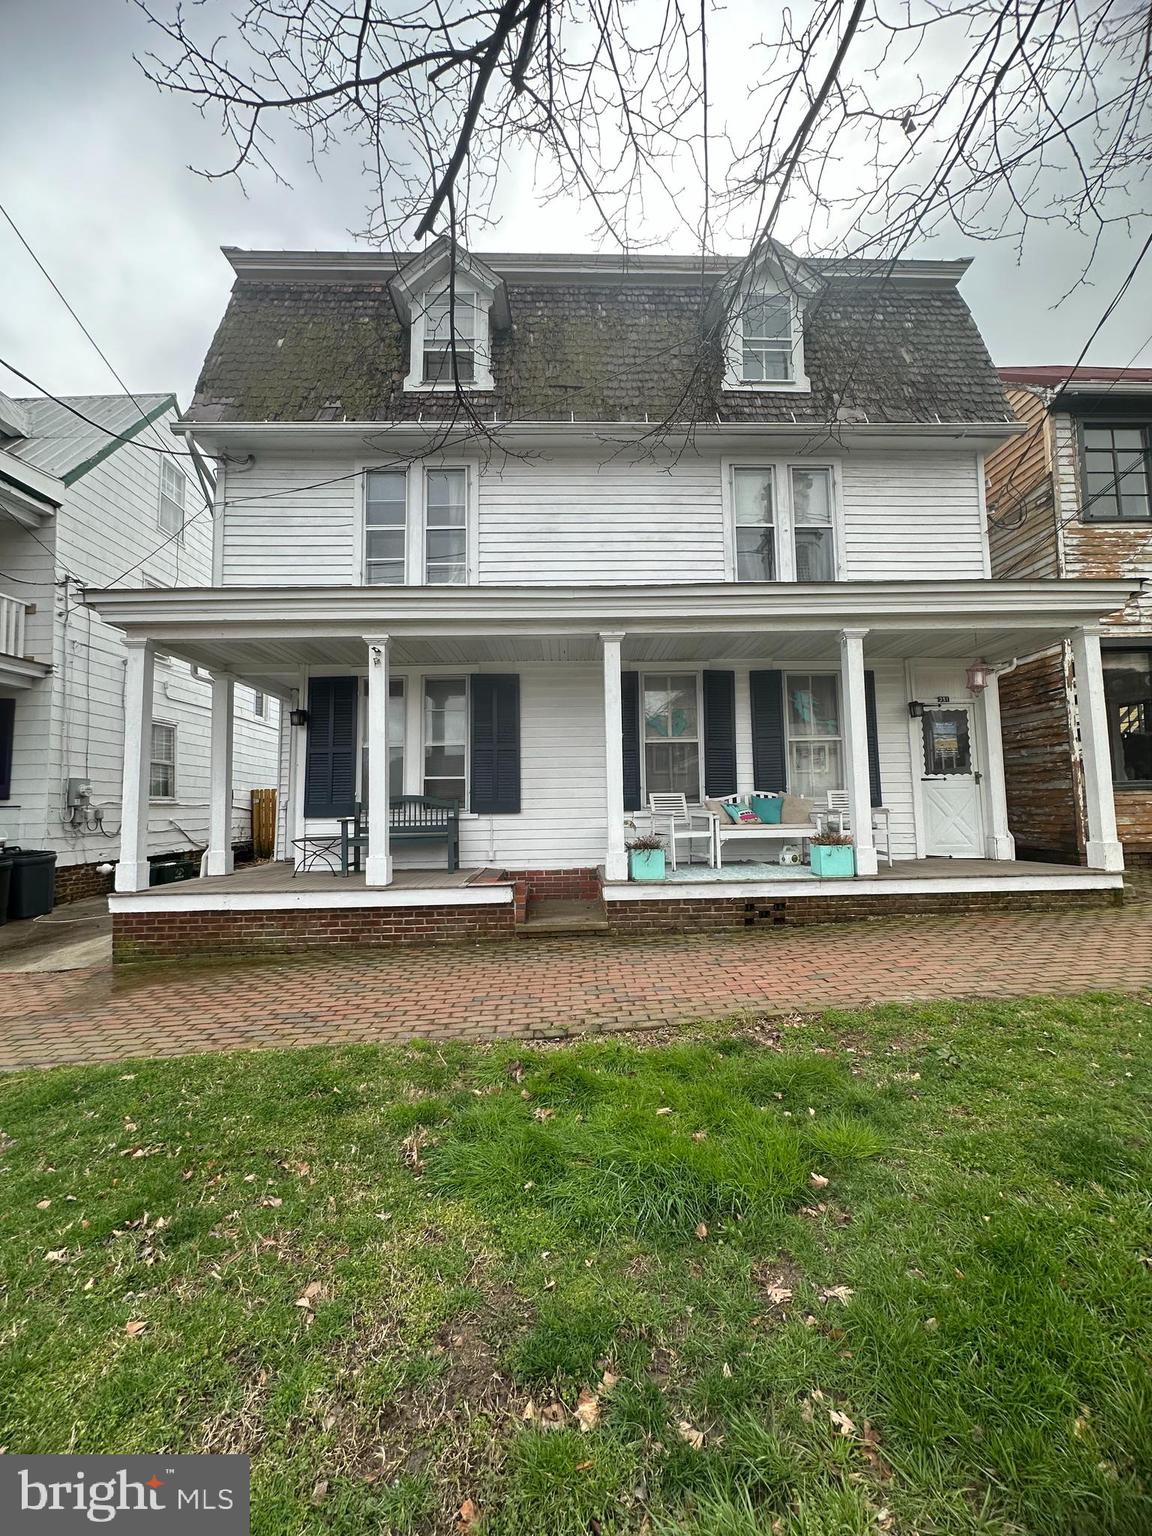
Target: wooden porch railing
(12, 611)
(263, 823)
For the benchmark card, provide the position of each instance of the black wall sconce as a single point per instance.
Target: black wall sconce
(915, 708)
(298, 716)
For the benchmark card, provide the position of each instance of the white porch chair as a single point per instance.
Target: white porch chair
(838, 810)
(672, 819)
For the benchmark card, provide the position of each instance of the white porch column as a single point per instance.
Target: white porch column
(615, 859)
(378, 865)
(999, 842)
(132, 865)
(219, 859)
(856, 747)
(1104, 849)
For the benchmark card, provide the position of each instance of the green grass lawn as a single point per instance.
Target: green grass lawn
(884, 1272)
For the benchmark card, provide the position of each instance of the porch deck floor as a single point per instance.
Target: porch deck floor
(902, 869)
(278, 876)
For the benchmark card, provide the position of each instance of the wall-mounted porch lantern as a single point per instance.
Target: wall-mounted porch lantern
(915, 708)
(298, 716)
(978, 676)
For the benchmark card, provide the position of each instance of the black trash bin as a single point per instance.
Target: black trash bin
(32, 889)
(5, 880)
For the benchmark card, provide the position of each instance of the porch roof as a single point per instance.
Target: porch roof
(267, 633)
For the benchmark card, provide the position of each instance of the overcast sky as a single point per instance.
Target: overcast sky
(95, 173)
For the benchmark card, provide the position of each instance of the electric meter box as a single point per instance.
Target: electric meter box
(79, 791)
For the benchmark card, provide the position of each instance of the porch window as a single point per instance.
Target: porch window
(1117, 472)
(671, 734)
(162, 776)
(1128, 697)
(812, 524)
(815, 744)
(753, 500)
(385, 537)
(396, 723)
(446, 737)
(446, 526)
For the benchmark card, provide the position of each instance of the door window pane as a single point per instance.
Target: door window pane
(947, 745)
(671, 734)
(815, 748)
(386, 516)
(753, 502)
(445, 737)
(1128, 695)
(396, 729)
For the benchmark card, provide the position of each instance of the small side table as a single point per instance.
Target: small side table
(318, 848)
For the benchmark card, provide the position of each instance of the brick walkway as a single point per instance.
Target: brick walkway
(551, 987)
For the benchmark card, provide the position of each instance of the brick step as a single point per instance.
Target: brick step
(554, 915)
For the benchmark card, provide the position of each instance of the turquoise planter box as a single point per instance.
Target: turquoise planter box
(646, 863)
(832, 862)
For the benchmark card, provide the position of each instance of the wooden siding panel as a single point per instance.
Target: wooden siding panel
(912, 516)
(1022, 525)
(276, 534)
(1040, 774)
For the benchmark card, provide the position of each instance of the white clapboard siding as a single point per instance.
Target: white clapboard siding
(567, 521)
(909, 517)
(278, 534)
(895, 755)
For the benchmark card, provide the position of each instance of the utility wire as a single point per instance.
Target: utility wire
(173, 453)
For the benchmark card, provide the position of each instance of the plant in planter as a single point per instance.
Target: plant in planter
(646, 857)
(832, 856)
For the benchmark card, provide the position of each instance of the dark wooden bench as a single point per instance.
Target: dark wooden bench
(411, 819)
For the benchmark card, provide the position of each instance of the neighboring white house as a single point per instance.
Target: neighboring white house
(90, 498)
(616, 544)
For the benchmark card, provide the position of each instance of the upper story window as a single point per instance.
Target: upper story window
(765, 344)
(417, 526)
(1117, 462)
(782, 522)
(172, 488)
(436, 318)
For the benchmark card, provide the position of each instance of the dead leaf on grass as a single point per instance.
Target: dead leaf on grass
(701, 1231)
(587, 1410)
(467, 1518)
(308, 1296)
(690, 1434)
(699, 1135)
(817, 1181)
(841, 1293)
(664, 1110)
(320, 1491)
(607, 1382)
(135, 1327)
(56, 1256)
(842, 1422)
(272, 1201)
(552, 1416)
(777, 1294)
(543, 1113)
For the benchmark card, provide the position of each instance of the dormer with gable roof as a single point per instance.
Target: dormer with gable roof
(444, 292)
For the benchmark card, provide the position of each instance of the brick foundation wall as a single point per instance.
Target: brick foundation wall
(557, 884)
(76, 882)
(635, 917)
(165, 935)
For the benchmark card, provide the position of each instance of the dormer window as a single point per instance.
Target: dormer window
(765, 341)
(437, 345)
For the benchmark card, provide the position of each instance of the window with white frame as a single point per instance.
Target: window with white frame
(259, 703)
(162, 776)
(766, 339)
(445, 526)
(386, 527)
(813, 529)
(443, 315)
(754, 512)
(812, 726)
(671, 734)
(397, 722)
(446, 738)
(172, 489)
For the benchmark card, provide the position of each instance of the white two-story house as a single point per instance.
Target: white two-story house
(630, 533)
(91, 495)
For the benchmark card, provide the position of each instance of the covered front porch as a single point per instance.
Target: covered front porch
(549, 715)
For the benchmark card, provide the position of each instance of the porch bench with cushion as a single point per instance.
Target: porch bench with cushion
(411, 819)
(796, 822)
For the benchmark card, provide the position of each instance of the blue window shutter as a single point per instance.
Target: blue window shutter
(769, 759)
(630, 713)
(495, 767)
(719, 733)
(330, 757)
(7, 739)
(873, 739)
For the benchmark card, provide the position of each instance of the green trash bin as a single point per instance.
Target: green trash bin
(32, 886)
(5, 881)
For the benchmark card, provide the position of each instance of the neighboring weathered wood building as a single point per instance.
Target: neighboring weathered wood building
(1072, 497)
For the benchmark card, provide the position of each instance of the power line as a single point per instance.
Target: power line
(174, 453)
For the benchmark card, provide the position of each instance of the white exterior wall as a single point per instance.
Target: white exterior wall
(624, 519)
(71, 724)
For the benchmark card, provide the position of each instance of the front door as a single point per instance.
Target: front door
(950, 784)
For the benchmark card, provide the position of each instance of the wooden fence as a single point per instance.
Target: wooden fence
(263, 823)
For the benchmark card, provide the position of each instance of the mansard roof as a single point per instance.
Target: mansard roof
(317, 336)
